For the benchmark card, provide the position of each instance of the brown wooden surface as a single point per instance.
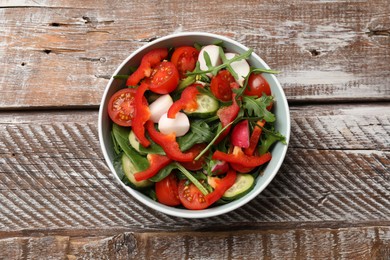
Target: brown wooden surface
(331, 198)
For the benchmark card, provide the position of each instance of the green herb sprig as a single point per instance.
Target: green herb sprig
(215, 69)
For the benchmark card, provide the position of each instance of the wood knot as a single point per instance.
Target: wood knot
(314, 52)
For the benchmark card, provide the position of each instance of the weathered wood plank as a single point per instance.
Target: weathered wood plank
(314, 243)
(61, 54)
(48, 247)
(53, 176)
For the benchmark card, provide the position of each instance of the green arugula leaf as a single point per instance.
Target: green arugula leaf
(206, 57)
(192, 178)
(268, 139)
(214, 69)
(257, 107)
(218, 43)
(200, 132)
(213, 141)
(197, 46)
(228, 66)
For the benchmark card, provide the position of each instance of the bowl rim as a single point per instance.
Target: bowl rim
(186, 213)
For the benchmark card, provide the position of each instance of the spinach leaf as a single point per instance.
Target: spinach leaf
(164, 172)
(117, 163)
(121, 135)
(117, 148)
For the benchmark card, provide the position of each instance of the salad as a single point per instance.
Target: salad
(194, 125)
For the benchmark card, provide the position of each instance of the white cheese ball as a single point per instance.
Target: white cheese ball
(160, 106)
(179, 125)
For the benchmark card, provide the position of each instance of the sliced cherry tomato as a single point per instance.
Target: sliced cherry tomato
(121, 107)
(164, 78)
(190, 196)
(257, 85)
(220, 85)
(167, 191)
(185, 59)
(198, 164)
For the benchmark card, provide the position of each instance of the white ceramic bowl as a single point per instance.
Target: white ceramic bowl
(280, 109)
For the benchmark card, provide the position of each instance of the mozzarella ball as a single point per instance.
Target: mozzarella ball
(179, 125)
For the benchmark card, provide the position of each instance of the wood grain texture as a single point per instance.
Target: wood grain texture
(330, 199)
(336, 173)
(62, 53)
(314, 243)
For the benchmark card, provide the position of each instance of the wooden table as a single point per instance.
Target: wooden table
(331, 198)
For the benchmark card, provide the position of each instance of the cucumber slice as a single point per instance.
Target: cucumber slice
(207, 106)
(244, 184)
(129, 169)
(134, 142)
(153, 148)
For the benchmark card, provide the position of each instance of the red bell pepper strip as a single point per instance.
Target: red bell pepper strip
(141, 115)
(238, 167)
(228, 114)
(156, 163)
(169, 144)
(242, 159)
(187, 101)
(148, 61)
(222, 185)
(255, 137)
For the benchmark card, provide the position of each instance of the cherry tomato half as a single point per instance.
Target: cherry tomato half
(164, 78)
(220, 85)
(191, 197)
(198, 164)
(121, 107)
(167, 191)
(257, 85)
(185, 58)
